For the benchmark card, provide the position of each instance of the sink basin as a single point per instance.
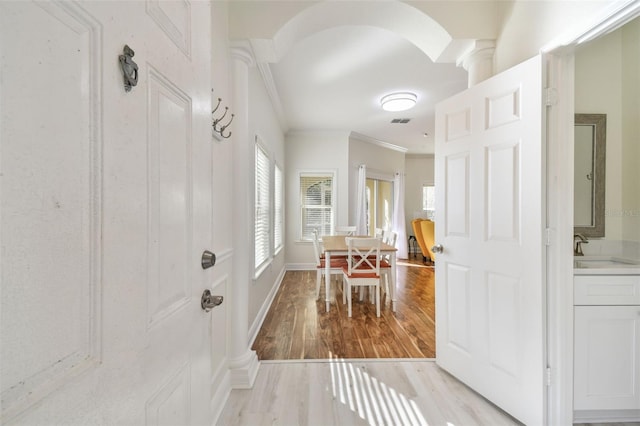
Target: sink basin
(604, 262)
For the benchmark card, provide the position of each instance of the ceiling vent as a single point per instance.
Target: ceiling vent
(400, 120)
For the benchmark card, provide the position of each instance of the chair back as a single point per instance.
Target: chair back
(345, 230)
(427, 228)
(379, 233)
(363, 256)
(417, 230)
(390, 237)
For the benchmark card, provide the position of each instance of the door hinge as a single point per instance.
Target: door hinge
(547, 236)
(548, 376)
(551, 96)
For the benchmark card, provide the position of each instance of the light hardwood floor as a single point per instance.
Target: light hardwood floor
(358, 392)
(298, 327)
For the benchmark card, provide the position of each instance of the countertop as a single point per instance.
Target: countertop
(605, 265)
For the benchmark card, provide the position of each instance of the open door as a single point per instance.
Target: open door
(106, 204)
(490, 291)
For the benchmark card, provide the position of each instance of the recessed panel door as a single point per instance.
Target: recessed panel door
(106, 210)
(489, 277)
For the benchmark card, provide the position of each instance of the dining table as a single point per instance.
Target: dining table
(336, 245)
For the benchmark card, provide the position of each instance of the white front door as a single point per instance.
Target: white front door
(106, 210)
(489, 220)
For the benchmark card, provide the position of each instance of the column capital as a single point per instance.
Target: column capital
(478, 61)
(241, 50)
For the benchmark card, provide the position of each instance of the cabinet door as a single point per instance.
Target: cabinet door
(607, 358)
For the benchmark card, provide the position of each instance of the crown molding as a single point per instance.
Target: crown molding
(264, 54)
(383, 144)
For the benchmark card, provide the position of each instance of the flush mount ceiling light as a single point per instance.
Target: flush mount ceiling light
(398, 101)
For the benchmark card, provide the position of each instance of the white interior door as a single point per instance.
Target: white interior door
(490, 287)
(106, 210)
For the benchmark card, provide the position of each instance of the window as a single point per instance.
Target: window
(316, 201)
(429, 200)
(278, 213)
(262, 206)
(379, 194)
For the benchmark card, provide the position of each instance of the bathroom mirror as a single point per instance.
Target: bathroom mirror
(589, 174)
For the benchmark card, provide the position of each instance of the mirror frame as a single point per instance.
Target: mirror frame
(599, 124)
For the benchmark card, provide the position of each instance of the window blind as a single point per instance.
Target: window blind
(316, 198)
(278, 219)
(262, 218)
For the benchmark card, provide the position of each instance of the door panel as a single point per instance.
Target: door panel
(169, 198)
(606, 363)
(50, 200)
(106, 210)
(458, 300)
(490, 322)
(503, 192)
(457, 197)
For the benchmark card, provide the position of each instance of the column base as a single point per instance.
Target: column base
(243, 370)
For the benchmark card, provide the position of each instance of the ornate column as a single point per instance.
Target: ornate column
(478, 61)
(243, 362)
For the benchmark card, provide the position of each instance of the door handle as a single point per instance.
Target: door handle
(208, 301)
(437, 248)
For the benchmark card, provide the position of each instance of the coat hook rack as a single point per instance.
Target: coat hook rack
(218, 127)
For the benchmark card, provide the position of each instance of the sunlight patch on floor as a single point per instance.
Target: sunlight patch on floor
(414, 265)
(371, 399)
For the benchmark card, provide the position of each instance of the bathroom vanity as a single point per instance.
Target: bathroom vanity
(606, 339)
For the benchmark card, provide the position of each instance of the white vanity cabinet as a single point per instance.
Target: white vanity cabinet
(606, 347)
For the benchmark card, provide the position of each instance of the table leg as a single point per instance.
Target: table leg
(392, 288)
(327, 279)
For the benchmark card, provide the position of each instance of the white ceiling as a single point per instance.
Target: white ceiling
(334, 79)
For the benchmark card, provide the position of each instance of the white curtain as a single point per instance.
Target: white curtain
(399, 223)
(361, 202)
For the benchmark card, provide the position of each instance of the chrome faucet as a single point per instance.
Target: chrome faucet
(577, 251)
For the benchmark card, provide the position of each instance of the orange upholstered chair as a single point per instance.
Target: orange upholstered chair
(417, 231)
(429, 237)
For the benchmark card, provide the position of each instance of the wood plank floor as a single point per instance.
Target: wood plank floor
(358, 392)
(297, 326)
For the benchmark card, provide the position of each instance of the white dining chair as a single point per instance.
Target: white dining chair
(389, 237)
(346, 230)
(379, 233)
(336, 266)
(362, 268)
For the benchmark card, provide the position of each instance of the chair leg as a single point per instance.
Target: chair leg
(378, 300)
(348, 299)
(318, 281)
(386, 281)
(344, 292)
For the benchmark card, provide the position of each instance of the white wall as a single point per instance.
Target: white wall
(263, 122)
(320, 152)
(527, 26)
(419, 171)
(614, 90)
